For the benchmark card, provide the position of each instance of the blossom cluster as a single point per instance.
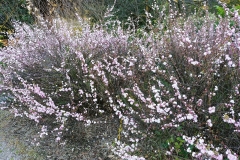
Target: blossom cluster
(181, 82)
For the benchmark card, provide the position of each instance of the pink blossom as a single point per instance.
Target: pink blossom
(211, 109)
(209, 123)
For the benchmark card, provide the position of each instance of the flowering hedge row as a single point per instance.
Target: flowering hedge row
(175, 92)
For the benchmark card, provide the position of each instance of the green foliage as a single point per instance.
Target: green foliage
(163, 141)
(1, 44)
(237, 7)
(134, 11)
(2, 64)
(3, 36)
(13, 10)
(178, 144)
(220, 11)
(231, 3)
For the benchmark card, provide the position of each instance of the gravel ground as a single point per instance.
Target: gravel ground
(8, 152)
(85, 143)
(12, 147)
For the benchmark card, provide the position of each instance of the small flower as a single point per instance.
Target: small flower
(230, 155)
(225, 117)
(232, 101)
(199, 102)
(227, 57)
(189, 116)
(187, 40)
(57, 139)
(194, 63)
(175, 86)
(211, 109)
(209, 123)
(131, 101)
(151, 106)
(189, 150)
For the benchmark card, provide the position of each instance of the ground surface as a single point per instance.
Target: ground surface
(87, 143)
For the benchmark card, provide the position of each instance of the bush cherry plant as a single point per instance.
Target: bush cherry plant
(175, 91)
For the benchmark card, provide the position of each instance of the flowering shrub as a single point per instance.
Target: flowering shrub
(176, 92)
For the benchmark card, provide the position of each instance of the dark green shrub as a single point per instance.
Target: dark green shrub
(13, 10)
